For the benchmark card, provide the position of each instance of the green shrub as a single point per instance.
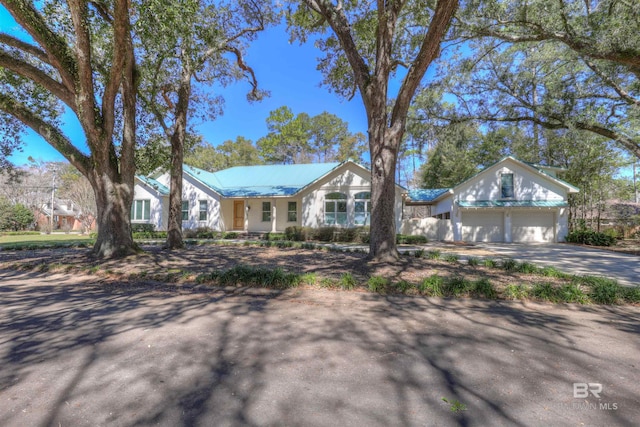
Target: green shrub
(419, 253)
(143, 228)
(490, 263)
(324, 234)
(296, 233)
(457, 286)
(347, 281)
(473, 261)
(230, 235)
(590, 237)
(434, 254)
(552, 272)
(519, 292)
(327, 282)
(484, 288)
(526, 267)
(604, 291)
(19, 233)
(405, 239)
(452, 258)
(377, 284)
(572, 292)
(545, 291)
(309, 278)
(432, 286)
(403, 286)
(156, 235)
(509, 264)
(631, 295)
(275, 236)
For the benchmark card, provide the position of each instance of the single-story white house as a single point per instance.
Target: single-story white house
(265, 198)
(509, 201)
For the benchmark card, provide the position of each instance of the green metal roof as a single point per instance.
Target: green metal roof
(263, 180)
(427, 194)
(154, 184)
(513, 204)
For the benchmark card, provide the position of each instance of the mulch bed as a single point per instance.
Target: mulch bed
(184, 265)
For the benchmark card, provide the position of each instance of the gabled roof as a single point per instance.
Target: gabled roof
(426, 194)
(431, 195)
(530, 166)
(262, 180)
(162, 189)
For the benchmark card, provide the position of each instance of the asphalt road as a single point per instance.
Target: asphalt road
(76, 354)
(573, 259)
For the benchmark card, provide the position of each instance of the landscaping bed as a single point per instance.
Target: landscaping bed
(423, 272)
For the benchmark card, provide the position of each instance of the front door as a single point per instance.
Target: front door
(238, 215)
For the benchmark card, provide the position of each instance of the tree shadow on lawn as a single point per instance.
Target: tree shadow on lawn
(76, 353)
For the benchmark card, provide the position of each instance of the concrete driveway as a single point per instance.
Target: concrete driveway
(573, 259)
(78, 353)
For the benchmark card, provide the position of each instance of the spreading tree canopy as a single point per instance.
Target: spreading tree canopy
(365, 44)
(77, 57)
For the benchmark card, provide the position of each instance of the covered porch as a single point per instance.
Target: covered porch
(260, 215)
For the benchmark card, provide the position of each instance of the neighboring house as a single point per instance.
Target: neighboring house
(267, 198)
(67, 216)
(510, 201)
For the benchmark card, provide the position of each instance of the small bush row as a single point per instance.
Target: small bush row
(590, 237)
(19, 233)
(252, 276)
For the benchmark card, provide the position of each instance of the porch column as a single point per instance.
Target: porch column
(507, 226)
(246, 215)
(456, 218)
(273, 216)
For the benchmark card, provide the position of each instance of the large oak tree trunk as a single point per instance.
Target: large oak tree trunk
(174, 227)
(383, 145)
(113, 203)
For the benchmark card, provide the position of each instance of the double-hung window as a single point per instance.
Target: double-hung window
(266, 211)
(140, 210)
(202, 213)
(292, 212)
(335, 209)
(185, 210)
(363, 208)
(506, 186)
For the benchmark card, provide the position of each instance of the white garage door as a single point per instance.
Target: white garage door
(532, 226)
(483, 226)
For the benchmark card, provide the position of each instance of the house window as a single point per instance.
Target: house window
(335, 209)
(202, 215)
(185, 210)
(292, 212)
(506, 185)
(363, 208)
(266, 211)
(140, 210)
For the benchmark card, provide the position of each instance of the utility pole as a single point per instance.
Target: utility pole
(635, 188)
(53, 191)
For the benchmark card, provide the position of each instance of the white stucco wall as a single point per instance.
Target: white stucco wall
(350, 180)
(527, 185)
(158, 204)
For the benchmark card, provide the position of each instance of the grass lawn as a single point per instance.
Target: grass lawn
(43, 239)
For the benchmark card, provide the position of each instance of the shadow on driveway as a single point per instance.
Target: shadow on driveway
(75, 352)
(573, 259)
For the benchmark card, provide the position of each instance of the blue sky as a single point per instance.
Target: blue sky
(287, 70)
